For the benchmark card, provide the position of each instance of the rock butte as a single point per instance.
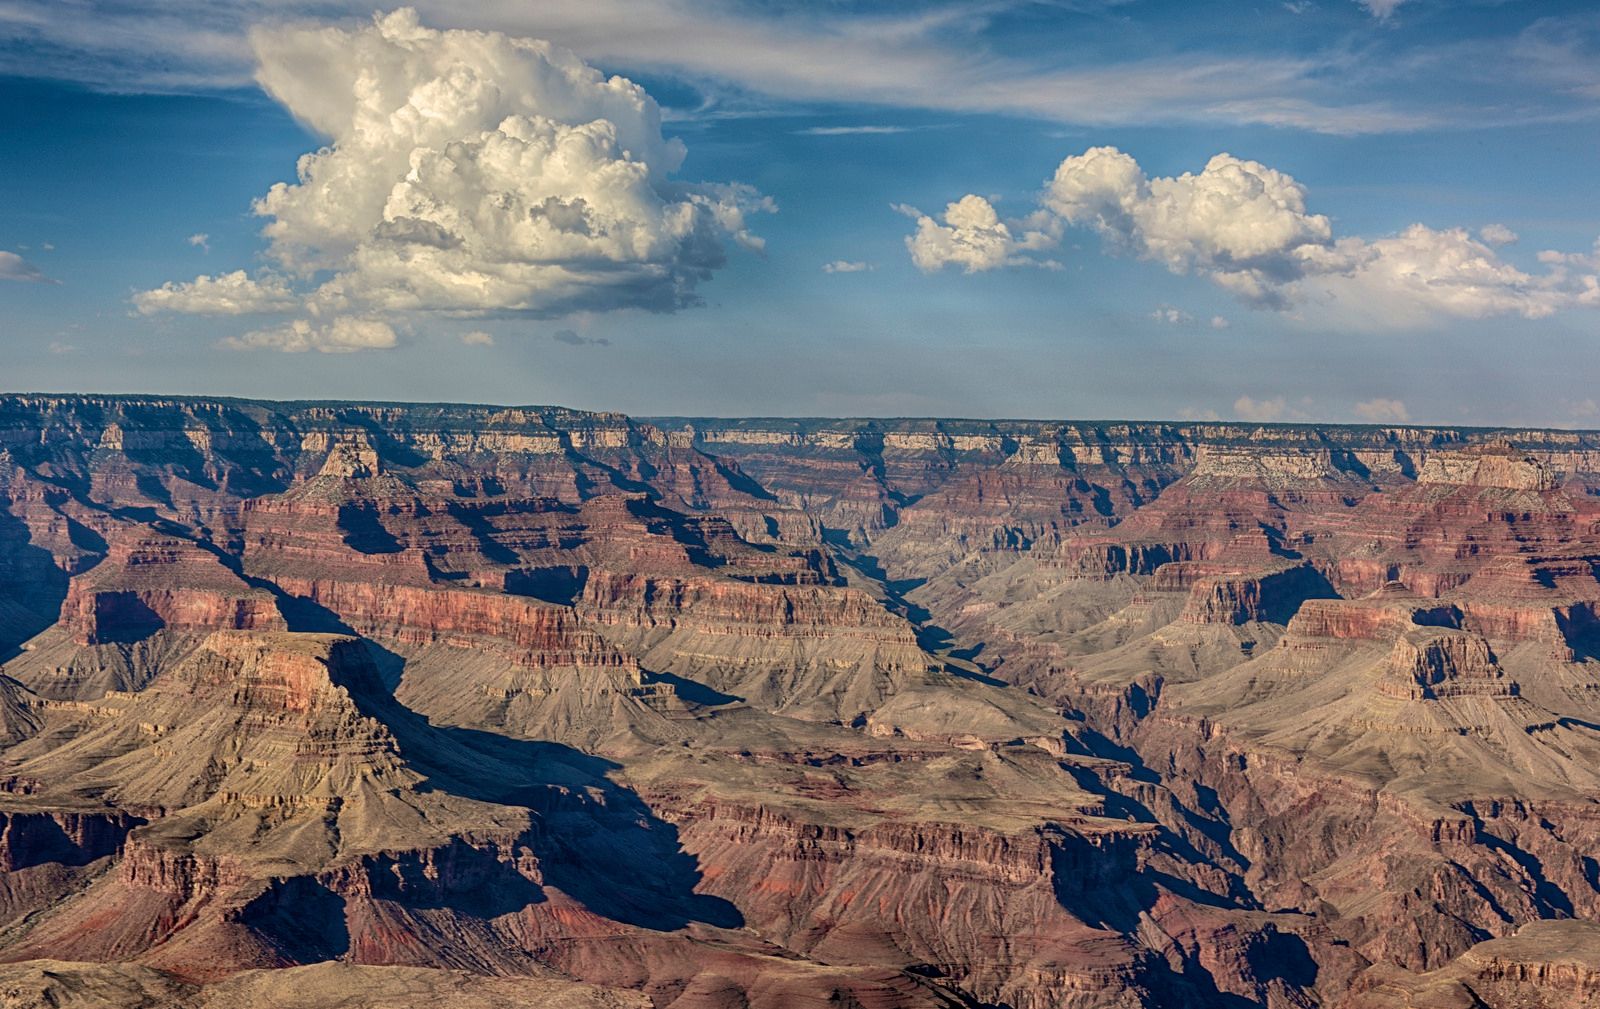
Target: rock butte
(382, 705)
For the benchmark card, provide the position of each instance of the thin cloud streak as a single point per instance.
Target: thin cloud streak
(846, 131)
(935, 60)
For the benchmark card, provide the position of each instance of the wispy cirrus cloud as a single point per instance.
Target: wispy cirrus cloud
(942, 57)
(1383, 10)
(847, 131)
(133, 46)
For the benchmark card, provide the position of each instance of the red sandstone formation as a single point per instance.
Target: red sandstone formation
(332, 704)
(149, 581)
(1546, 965)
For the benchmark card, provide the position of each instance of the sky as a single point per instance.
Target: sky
(1372, 211)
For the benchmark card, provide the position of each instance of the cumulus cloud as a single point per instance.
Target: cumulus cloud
(200, 240)
(1220, 322)
(973, 237)
(1247, 227)
(1239, 221)
(1382, 411)
(477, 338)
(846, 266)
(14, 267)
(1265, 411)
(235, 293)
(571, 338)
(1589, 261)
(1423, 272)
(1497, 234)
(469, 173)
(342, 335)
(1172, 316)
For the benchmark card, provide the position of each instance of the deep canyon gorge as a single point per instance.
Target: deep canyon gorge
(314, 704)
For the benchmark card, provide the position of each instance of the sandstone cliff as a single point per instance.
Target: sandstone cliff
(452, 703)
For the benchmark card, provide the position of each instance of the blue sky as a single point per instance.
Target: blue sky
(1288, 282)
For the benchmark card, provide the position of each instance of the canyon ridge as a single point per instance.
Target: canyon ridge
(317, 704)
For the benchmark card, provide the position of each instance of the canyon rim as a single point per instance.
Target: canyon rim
(403, 704)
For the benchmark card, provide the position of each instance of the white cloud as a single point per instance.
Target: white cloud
(1247, 227)
(470, 172)
(1497, 234)
(1265, 411)
(847, 131)
(1238, 221)
(846, 266)
(1382, 411)
(235, 293)
(972, 237)
(14, 267)
(200, 240)
(1381, 9)
(1424, 273)
(477, 338)
(922, 56)
(1564, 260)
(342, 335)
(1178, 317)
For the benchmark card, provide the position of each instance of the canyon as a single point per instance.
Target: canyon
(316, 704)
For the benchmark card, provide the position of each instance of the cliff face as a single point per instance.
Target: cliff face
(149, 581)
(1545, 965)
(412, 698)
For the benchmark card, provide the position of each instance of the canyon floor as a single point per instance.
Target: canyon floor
(370, 706)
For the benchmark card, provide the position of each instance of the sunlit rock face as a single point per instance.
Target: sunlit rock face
(377, 705)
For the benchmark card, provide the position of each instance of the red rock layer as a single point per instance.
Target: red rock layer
(541, 635)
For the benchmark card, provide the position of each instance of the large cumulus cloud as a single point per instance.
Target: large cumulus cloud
(1248, 228)
(1239, 221)
(469, 173)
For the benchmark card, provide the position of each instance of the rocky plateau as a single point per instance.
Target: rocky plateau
(370, 706)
